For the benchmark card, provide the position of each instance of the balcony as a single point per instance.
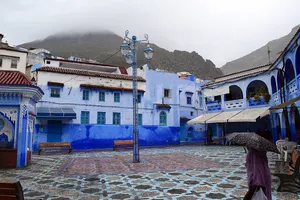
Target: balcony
(234, 104)
(276, 98)
(213, 105)
(292, 89)
(257, 101)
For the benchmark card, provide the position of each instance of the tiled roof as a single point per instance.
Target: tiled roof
(160, 105)
(87, 73)
(107, 87)
(13, 78)
(123, 70)
(241, 74)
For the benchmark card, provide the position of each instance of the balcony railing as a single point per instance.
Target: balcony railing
(257, 102)
(213, 105)
(276, 98)
(292, 87)
(234, 104)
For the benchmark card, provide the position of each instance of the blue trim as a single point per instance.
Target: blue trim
(55, 85)
(20, 85)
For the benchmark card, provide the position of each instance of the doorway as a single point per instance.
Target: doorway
(54, 131)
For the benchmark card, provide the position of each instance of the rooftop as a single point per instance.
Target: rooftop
(87, 73)
(13, 78)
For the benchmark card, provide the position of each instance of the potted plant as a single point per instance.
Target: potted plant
(257, 97)
(267, 97)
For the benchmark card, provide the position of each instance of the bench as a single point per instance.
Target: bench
(54, 145)
(11, 191)
(290, 181)
(118, 143)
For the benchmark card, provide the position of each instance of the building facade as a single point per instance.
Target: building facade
(263, 99)
(90, 105)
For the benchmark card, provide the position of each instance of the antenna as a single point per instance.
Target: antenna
(269, 55)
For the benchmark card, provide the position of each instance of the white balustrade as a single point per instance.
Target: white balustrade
(292, 87)
(234, 104)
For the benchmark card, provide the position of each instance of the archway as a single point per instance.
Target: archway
(257, 87)
(235, 93)
(279, 80)
(296, 115)
(273, 84)
(6, 132)
(298, 61)
(289, 72)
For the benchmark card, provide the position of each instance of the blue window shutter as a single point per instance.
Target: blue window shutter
(85, 117)
(102, 96)
(116, 118)
(85, 95)
(101, 118)
(163, 119)
(117, 97)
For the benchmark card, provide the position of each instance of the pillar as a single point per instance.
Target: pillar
(22, 135)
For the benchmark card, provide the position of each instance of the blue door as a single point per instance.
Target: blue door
(54, 131)
(182, 131)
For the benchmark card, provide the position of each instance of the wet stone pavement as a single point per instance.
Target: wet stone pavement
(183, 172)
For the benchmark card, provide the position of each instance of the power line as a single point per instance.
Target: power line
(95, 65)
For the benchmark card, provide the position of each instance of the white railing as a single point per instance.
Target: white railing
(292, 87)
(234, 104)
(276, 98)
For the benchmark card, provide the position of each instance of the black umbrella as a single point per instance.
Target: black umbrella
(253, 140)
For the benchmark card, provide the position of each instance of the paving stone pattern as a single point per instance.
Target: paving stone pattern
(183, 172)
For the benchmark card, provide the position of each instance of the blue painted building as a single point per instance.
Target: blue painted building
(18, 98)
(90, 105)
(263, 98)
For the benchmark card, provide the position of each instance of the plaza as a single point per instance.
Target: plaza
(177, 172)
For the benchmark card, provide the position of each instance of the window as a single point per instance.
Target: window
(55, 92)
(14, 64)
(116, 118)
(188, 100)
(139, 98)
(166, 93)
(48, 61)
(163, 119)
(117, 97)
(101, 119)
(102, 96)
(192, 113)
(140, 119)
(85, 95)
(85, 117)
(1, 62)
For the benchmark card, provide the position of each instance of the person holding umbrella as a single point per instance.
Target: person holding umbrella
(258, 172)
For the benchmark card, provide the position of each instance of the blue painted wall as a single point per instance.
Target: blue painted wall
(83, 137)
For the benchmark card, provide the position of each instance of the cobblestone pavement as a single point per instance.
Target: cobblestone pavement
(183, 172)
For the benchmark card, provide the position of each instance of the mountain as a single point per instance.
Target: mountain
(101, 45)
(259, 56)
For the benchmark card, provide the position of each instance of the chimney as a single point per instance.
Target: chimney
(1, 37)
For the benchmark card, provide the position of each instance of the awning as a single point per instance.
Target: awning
(250, 115)
(203, 118)
(54, 113)
(215, 92)
(287, 103)
(223, 117)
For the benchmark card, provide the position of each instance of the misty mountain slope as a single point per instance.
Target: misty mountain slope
(259, 56)
(101, 45)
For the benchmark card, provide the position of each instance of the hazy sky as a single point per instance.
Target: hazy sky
(219, 30)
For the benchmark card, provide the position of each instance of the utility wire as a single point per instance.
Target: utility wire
(95, 65)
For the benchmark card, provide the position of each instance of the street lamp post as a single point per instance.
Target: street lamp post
(129, 51)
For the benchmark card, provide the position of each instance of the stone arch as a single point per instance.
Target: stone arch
(297, 59)
(256, 87)
(289, 72)
(235, 92)
(5, 141)
(273, 84)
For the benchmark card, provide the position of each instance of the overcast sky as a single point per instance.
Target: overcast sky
(219, 30)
